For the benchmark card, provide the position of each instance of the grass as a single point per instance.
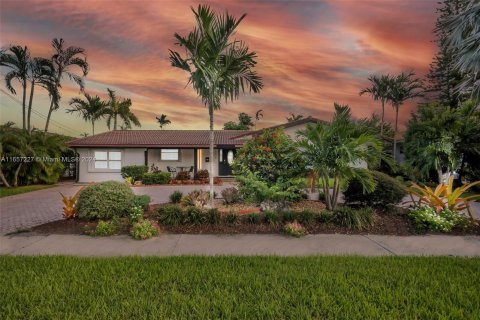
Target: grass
(5, 192)
(239, 287)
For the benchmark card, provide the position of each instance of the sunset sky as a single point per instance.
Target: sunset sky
(310, 54)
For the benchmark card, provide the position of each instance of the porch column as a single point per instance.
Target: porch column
(195, 161)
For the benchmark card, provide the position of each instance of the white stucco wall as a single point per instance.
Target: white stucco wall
(186, 159)
(88, 173)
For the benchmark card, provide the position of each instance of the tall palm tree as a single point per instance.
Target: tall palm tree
(464, 36)
(17, 58)
(91, 109)
(64, 60)
(219, 68)
(379, 90)
(334, 149)
(163, 121)
(403, 87)
(116, 108)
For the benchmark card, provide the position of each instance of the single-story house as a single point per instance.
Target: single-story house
(102, 156)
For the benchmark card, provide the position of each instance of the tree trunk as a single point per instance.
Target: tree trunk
(4, 180)
(326, 191)
(29, 115)
(383, 116)
(395, 135)
(440, 175)
(15, 176)
(212, 138)
(336, 185)
(115, 122)
(93, 127)
(49, 115)
(24, 114)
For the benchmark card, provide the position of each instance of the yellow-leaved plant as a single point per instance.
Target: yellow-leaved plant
(69, 210)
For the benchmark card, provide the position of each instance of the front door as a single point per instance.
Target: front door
(225, 159)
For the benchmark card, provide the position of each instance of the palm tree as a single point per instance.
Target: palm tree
(403, 87)
(163, 121)
(218, 67)
(379, 90)
(64, 60)
(116, 108)
(334, 149)
(17, 58)
(294, 117)
(464, 36)
(258, 116)
(91, 109)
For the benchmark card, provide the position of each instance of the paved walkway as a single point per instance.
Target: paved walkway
(252, 244)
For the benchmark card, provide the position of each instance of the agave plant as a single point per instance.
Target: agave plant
(69, 210)
(444, 196)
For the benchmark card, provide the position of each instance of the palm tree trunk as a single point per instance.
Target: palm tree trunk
(335, 193)
(4, 180)
(29, 115)
(93, 127)
(383, 116)
(212, 138)
(24, 114)
(15, 175)
(326, 191)
(440, 175)
(395, 134)
(115, 122)
(49, 115)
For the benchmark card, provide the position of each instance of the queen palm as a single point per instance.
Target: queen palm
(379, 90)
(334, 150)
(120, 108)
(403, 87)
(163, 121)
(64, 61)
(219, 68)
(90, 109)
(17, 59)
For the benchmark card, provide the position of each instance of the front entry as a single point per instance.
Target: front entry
(225, 159)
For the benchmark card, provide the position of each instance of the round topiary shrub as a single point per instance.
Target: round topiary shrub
(387, 191)
(104, 200)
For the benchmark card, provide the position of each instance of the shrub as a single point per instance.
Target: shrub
(425, 218)
(253, 218)
(324, 216)
(213, 216)
(135, 214)
(182, 175)
(171, 215)
(196, 198)
(272, 217)
(156, 178)
(104, 200)
(142, 201)
(388, 190)
(232, 217)
(288, 216)
(359, 219)
(294, 229)
(306, 217)
(195, 216)
(230, 195)
(201, 175)
(176, 196)
(134, 172)
(104, 229)
(144, 229)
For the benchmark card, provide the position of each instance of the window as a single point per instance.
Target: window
(108, 160)
(169, 155)
(230, 157)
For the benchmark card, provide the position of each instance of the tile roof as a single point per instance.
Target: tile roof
(158, 138)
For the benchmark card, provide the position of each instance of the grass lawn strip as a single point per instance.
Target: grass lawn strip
(239, 287)
(5, 192)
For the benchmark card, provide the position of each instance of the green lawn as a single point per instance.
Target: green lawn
(5, 192)
(239, 287)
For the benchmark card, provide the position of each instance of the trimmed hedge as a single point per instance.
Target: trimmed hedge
(104, 200)
(387, 191)
(136, 172)
(156, 178)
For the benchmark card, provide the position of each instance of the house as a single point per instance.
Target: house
(102, 156)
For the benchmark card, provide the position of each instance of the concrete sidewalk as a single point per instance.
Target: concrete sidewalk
(249, 244)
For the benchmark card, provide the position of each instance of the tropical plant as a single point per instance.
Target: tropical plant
(163, 121)
(379, 89)
(219, 68)
(69, 210)
(294, 229)
(91, 109)
(444, 196)
(12, 144)
(244, 123)
(120, 108)
(170, 215)
(426, 218)
(336, 149)
(175, 196)
(17, 60)
(402, 88)
(64, 61)
(359, 219)
(294, 117)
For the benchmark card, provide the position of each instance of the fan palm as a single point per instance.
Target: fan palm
(17, 59)
(379, 90)
(219, 68)
(403, 87)
(91, 109)
(335, 150)
(64, 60)
(163, 121)
(120, 108)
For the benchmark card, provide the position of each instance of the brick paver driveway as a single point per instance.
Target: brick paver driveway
(30, 209)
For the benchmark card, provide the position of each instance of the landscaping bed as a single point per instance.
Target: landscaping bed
(239, 287)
